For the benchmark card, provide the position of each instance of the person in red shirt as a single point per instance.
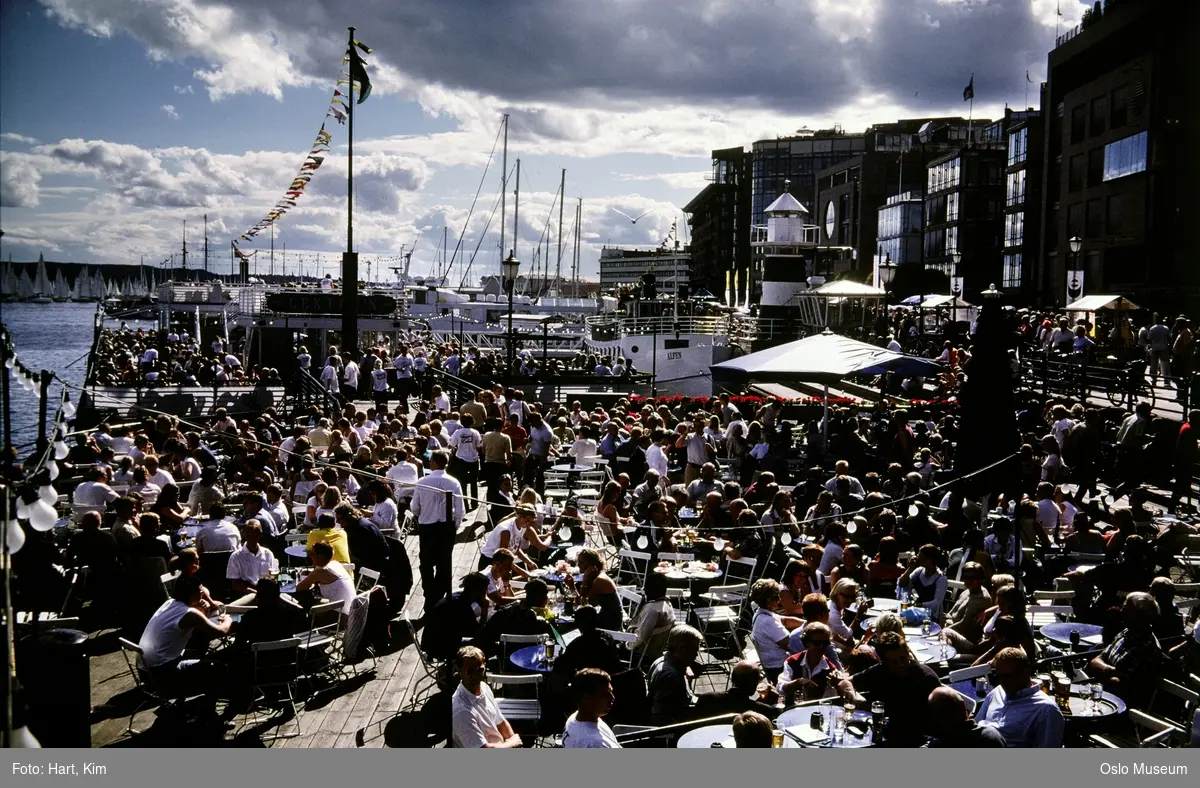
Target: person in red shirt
(1185, 459)
(519, 437)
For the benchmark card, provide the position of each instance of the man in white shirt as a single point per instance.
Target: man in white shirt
(1049, 513)
(842, 468)
(95, 491)
(403, 476)
(585, 728)
(437, 496)
(379, 386)
(154, 474)
(440, 401)
(476, 720)
(1018, 709)
(250, 563)
(318, 436)
(656, 456)
(464, 444)
(351, 372)
(218, 535)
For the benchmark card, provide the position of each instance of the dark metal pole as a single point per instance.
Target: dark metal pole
(5, 385)
(350, 258)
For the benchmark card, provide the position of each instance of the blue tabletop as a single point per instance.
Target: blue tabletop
(802, 717)
(1059, 632)
(532, 658)
(935, 629)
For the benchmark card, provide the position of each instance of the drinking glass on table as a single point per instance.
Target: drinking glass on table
(839, 725)
(777, 739)
(548, 649)
(1096, 693)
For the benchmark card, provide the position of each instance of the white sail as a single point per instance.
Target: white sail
(25, 286)
(114, 289)
(41, 283)
(83, 285)
(99, 288)
(62, 290)
(8, 282)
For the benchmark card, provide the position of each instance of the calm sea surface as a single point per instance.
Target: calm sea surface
(46, 336)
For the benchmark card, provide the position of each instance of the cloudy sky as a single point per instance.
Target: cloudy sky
(122, 119)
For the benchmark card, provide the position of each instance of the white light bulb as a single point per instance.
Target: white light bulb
(9, 363)
(68, 409)
(22, 509)
(48, 494)
(60, 450)
(16, 537)
(52, 468)
(42, 516)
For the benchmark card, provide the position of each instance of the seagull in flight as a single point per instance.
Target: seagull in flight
(633, 220)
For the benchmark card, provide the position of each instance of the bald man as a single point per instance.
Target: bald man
(741, 696)
(951, 726)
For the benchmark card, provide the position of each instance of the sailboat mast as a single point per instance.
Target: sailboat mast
(185, 248)
(504, 189)
(575, 257)
(562, 199)
(271, 266)
(350, 259)
(206, 243)
(517, 210)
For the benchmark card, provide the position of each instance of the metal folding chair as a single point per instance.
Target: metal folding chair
(276, 667)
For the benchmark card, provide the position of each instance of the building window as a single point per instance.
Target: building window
(945, 175)
(1014, 229)
(1077, 172)
(1125, 156)
(951, 240)
(1099, 115)
(1078, 124)
(952, 200)
(1115, 215)
(1018, 143)
(1094, 225)
(1119, 109)
(1011, 276)
(1015, 191)
(1095, 167)
(1075, 220)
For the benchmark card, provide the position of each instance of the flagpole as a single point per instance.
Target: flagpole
(350, 259)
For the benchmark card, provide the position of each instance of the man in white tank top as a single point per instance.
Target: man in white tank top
(170, 630)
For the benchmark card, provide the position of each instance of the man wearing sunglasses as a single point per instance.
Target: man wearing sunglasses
(810, 673)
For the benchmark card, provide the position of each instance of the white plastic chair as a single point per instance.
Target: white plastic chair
(367, 579)
(636, 563)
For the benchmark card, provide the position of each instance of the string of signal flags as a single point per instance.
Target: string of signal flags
(354, 78)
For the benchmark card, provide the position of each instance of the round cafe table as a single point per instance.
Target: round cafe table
(571, 468)
(1059, 633)
(928, 650)
(1081, 567)
(801, 717)
(296, 550)
(533, 658)
(909, 631)
(711, 735)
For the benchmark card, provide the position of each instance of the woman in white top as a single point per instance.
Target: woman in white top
(844, 592)
(330, 577)
(770, 630)
(384, 513)
(149, 492)
(585, 450)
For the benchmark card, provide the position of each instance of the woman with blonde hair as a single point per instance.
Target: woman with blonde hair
(844, 592)
(598, 589)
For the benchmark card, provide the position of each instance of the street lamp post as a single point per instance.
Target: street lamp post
(509, 269)
(956, 287)
(1075, 244)
(887, 271)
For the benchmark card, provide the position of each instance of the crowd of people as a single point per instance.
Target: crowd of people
(876, 514)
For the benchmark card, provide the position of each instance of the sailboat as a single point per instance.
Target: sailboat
(99, 288)
(8, 284)
(43, 289)
(83, 286)
(62, 290)
(25, 289)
